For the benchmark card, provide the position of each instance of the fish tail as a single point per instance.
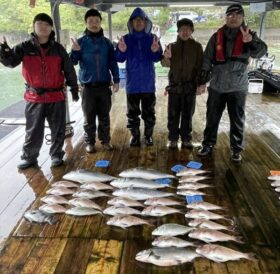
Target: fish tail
(251, 257)
(238, 239)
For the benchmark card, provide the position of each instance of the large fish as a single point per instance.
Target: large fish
(123, 210)
(121, 201)
(168, 241)
(205, 214)
(37, 216)
(220, 254)
(136, 182)
(60, 190)
(162, 201)
(204, 206)
(159, 210)
(96, 186)
(89, 194)
(274, 177)
(84, 202)
(52, 209)
(193, 186)
(82, 211)
(54, 199)
(277, 189)
(144, 173)
(275, 183)
(193, 179)
(125, 221)
(191, 172)
(86, 176)
(203, 223)
(171, 230)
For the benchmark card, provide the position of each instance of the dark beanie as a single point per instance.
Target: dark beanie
(43, 17)
(185, 22)
(235, 8)
(92, 12)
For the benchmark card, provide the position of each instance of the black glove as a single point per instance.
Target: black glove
(75, 94)
(5, 50)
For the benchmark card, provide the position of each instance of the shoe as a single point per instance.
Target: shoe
(24, 164)
(90, 148)
(149, 141)
(236, 157)
(173, 144)
(187, 144)
(108, 146)
(56, 162)
(135, 141)
(205, 151)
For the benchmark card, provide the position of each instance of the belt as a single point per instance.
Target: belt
(42, 90)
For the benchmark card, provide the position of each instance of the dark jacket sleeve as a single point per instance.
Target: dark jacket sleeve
(14, 57)
(257, 47)
(113, 65)
(156, 56)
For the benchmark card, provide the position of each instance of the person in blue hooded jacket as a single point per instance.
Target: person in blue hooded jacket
(140, 49)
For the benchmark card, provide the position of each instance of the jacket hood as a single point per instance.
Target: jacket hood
(138, 12)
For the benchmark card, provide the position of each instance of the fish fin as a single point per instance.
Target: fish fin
(238, 239)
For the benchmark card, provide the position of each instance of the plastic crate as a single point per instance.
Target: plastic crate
(255, 85)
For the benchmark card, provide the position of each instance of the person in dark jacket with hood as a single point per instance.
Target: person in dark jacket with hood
(96, 57)
(45, 67)
(225, 65)
(140, 49)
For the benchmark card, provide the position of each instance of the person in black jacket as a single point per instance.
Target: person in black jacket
(45, 67)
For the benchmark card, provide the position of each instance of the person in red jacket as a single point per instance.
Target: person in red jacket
(47, 69)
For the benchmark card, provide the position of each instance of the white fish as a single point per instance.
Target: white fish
(274, 177)
(37, 216)
(220, 254)
(121, 201)
(203, 223)
(159, 210)
(204, 206)
(54, 199)
(140, 193)
(124, 210)
(65, 184)
(204, 214)
(191, 172)
(89, 194)
(168, 241)
(125, 221)
(194, 186)
(86, 176)
(144, 173)
(210, 236)
(275, 183)
(60, 190)
(137, 182)
(171, 229)
(96, 186)
(192, 179)
(82, 211)
(162, 201)
(52, 209)
(84, 202)
(277, 189)
(190, 192)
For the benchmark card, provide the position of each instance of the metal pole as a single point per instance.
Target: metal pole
(262, 25)
(110, 24)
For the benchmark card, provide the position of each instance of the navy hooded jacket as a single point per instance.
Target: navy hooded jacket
(140, 70)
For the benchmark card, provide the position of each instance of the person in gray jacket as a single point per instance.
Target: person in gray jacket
(225, 65)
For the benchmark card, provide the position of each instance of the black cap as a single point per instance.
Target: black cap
(43, 17)
(92, 12)
(235, 8)
(185, 22)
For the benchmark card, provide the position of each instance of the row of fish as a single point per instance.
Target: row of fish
(275, 182)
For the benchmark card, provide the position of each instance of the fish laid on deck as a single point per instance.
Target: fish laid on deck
(84, 202)
(163, 201)
(190, 192)
(274, 177)
(203, 223)
(65, 184)
(38, 216)
(96, 186)
(193, 179)
(122, 201)
(54, 199)
(89, 194)
(191, 172)
(204, 206)
(205, 214)
(123, 210)
(82, 211)
(125, 221)
(52, 209)
(275, 183)
(159, 210)
(171, 229)
(137, 182)
(168, 241)
(193, 186)
(60, 190)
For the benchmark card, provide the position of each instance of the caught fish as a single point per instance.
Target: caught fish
(145, 173)
(162, 201)
(121, 201)
(166, 256)
(168, 241)
(205, 214)
(203, 223)
(193, 179)
(193, 186)
(191, 172)
(124, 210)
(190, 192)
(40, 217)
(275, 183)
(65, 184)
(204, 206)
(60, 190)
(140, 193)
(211, 236)
(171, 230)
(96, 186)
(137, 182)
(86, 176)
(52, 209)
(82, 211)
(277, 189)
(220, 254)
(125, 221)
(89, 194)
(84, 202)
(274, 177)
(54, 199)
(159, 210)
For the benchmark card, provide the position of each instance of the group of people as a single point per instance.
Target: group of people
(48, 69)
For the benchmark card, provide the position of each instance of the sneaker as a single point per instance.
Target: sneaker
(108, 146)
(56, 162)
(24, 164)
(236, 157)
(149, 141)
(173, 144)
(187, 144)
(205, 151)
(135, 141)
(90, 148)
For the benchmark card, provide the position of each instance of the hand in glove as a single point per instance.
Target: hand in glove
(5, 50)
(75, 95)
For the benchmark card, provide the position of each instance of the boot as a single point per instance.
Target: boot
(135, 137)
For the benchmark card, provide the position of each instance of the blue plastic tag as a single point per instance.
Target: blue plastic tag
(164, 181)
(102, 163)
(177, 168)
(195, 165)
(194, 199)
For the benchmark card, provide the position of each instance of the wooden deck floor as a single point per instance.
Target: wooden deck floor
(88, 245)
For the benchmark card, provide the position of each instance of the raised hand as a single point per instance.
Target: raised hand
(167, 52)
(75, 45)
(247, 37)
(155, 44)
(121, 44)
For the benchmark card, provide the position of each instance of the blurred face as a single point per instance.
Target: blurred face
(138, 24)
(42, 29)
(234, 19)
(93, 23)
(185, 32)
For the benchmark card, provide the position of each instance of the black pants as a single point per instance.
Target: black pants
(35, 114)
(147, 112)
(96, 102)
(216, 103)
(181, 108)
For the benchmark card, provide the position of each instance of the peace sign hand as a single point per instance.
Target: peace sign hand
(167, 52)
(75, 45)
(122, 45)
(155, 44)
(247, 36)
